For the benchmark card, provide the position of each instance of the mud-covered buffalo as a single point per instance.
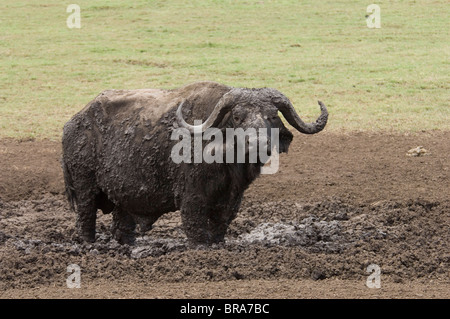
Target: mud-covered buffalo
(117, 157)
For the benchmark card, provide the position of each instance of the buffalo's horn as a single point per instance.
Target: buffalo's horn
(285, 107)
(222, 107)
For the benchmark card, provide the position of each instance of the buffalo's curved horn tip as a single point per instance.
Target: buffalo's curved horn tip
(294, 119)
(191, 128)
(220, 109)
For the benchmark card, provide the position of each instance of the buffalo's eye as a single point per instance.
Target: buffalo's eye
(236, 118)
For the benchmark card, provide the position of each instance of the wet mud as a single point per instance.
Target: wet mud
(339, 203)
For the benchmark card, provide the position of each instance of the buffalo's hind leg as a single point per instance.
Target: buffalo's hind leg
(123, 226)
(86, 217)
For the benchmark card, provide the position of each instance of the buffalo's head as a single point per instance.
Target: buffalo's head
(258, 109)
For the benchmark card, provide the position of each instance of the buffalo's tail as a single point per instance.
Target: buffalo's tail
(70, 191)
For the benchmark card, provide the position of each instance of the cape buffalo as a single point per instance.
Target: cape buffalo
(117, 157)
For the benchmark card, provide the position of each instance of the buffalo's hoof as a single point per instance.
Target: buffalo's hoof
(86, 237)
(124, 238)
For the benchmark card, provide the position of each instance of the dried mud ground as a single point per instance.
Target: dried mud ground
(339, 203)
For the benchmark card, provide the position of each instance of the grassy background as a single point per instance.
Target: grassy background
(395, 78)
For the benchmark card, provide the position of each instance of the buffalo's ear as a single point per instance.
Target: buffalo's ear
(285, 139)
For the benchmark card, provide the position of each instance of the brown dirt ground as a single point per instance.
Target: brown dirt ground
(338, 203)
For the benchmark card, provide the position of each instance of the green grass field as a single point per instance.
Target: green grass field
(395, 78)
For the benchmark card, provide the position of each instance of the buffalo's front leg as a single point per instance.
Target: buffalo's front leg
(206, 225)
(123, 227)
